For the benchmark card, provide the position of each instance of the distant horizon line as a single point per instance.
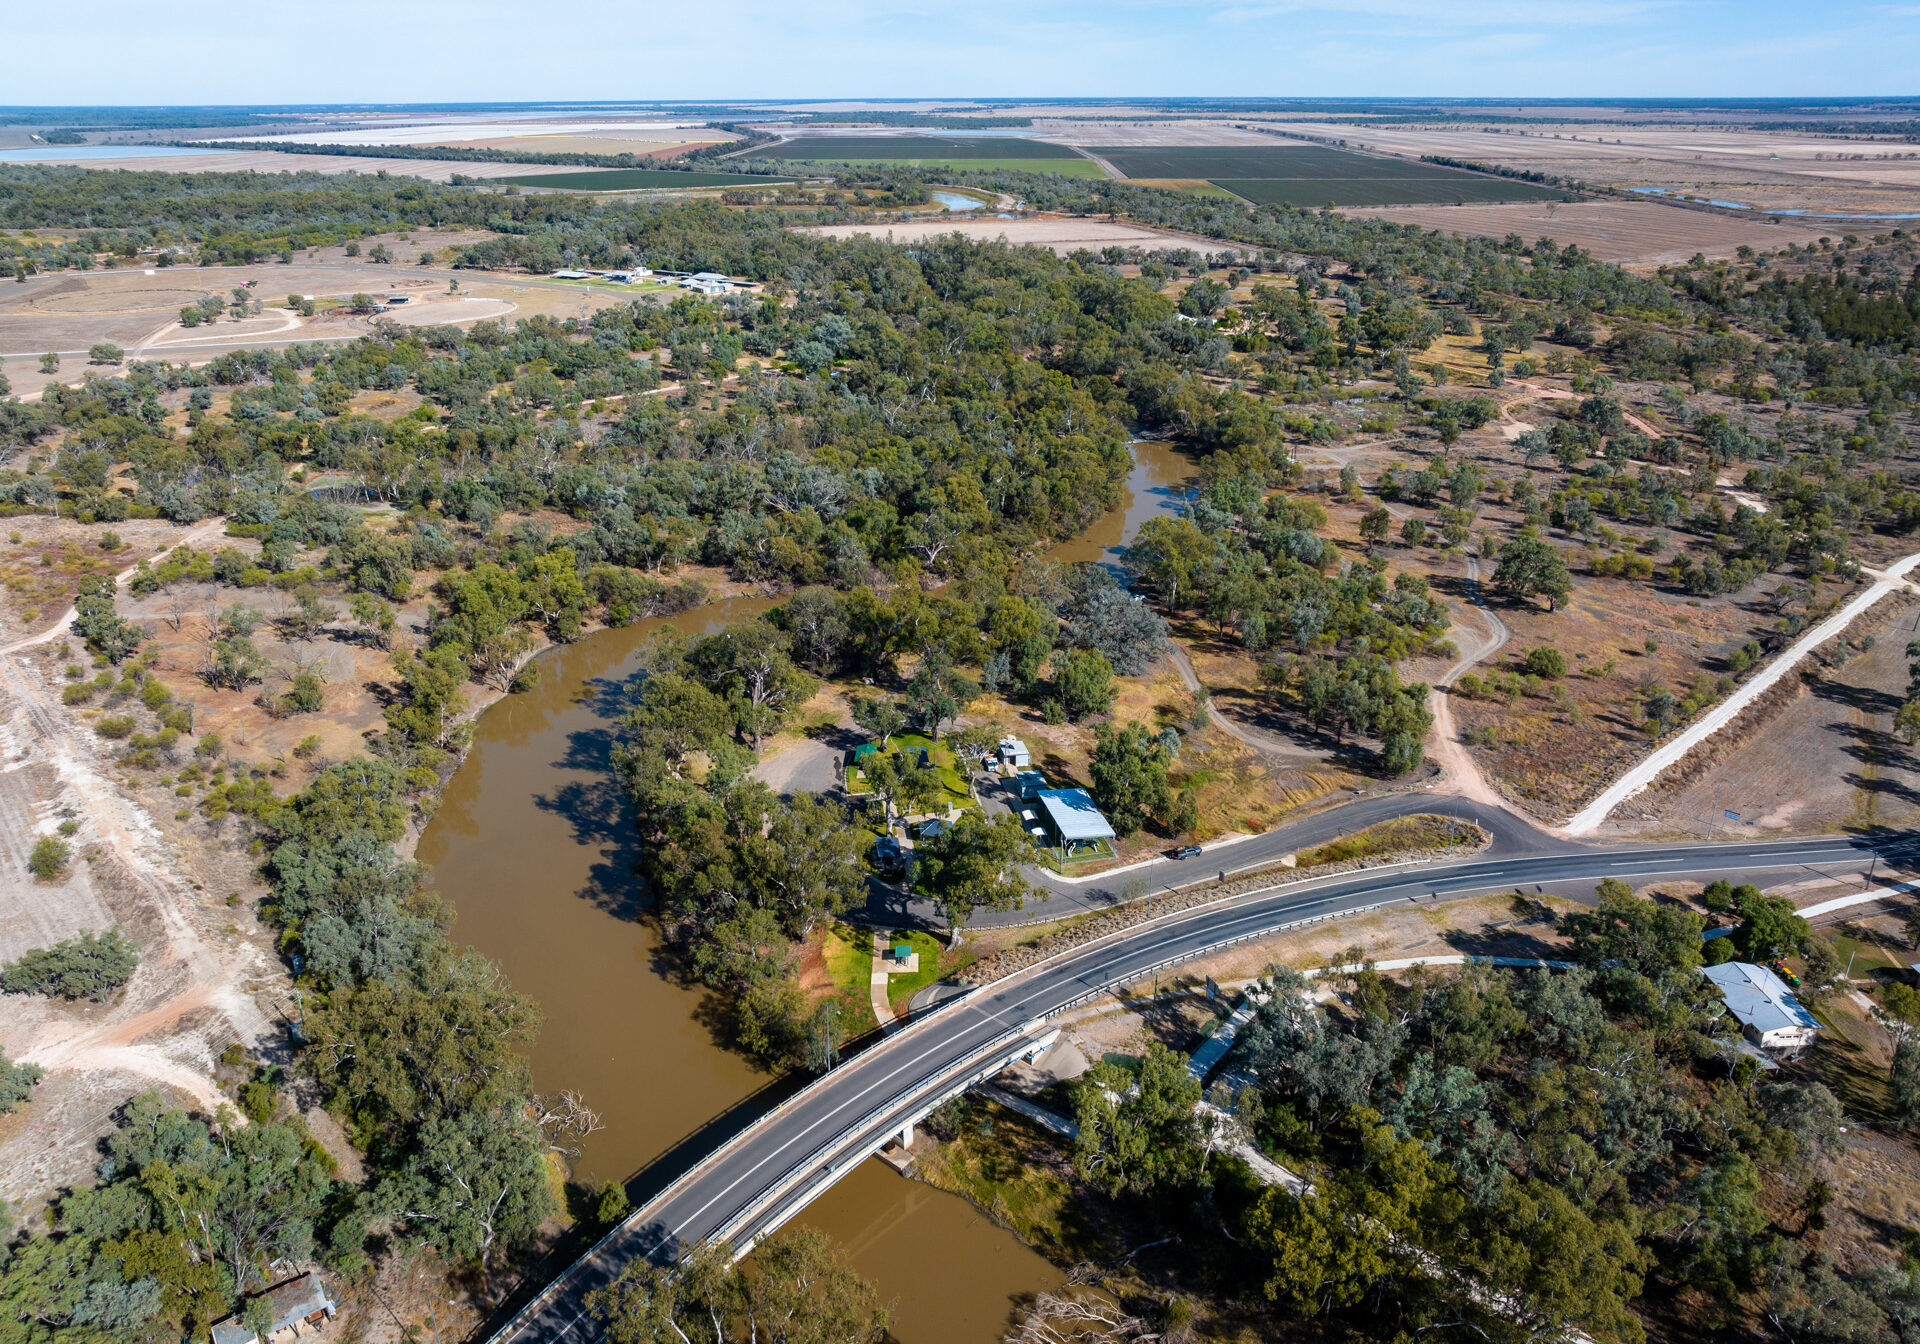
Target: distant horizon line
(1675, 100)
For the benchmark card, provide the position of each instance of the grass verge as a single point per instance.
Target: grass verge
(1422, 831)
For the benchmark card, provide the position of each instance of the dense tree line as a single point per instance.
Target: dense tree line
(1518, 1154)
(700, 158)
(186, 1218)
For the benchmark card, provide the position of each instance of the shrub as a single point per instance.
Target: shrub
(1546, 661)
(16, 1082)
(610, 1204)
(258, 1101)
(115, 726)
(1470, 685)
(305, 694)
(88, 967)
(50, 857)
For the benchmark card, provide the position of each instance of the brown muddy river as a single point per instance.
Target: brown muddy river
(533, 847)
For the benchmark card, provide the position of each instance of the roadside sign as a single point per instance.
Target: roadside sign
(1213, 990)
(1730, 816)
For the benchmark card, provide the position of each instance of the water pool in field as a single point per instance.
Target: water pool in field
(61, 153)
(1677, 194)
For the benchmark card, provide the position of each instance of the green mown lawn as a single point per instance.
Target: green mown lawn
(900, 988)
(951, 780)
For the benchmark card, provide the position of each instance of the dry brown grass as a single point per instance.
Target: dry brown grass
(40, 572)
(1827, 758)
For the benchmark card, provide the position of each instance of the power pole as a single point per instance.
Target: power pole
(1711, 815)
(832, 1034)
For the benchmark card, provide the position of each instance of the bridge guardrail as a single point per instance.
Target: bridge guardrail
(941, 1084)
(635, 1219)
(935, 1013)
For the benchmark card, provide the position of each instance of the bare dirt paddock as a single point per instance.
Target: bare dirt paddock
(1632, 233)
(138, 309)
(1062, 235)
(270, 161)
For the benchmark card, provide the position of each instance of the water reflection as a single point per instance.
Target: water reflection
(534, 846)
(1160, 483)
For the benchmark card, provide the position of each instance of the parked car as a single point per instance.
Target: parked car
(1185, 852)
(888, 856)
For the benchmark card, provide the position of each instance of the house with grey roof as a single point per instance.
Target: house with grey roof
(1766, 1009)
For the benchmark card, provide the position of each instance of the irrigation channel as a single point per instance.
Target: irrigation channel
(534, 847)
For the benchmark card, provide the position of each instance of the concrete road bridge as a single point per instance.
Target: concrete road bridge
(771, 1169)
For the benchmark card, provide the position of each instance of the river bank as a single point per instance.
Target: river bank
(533, 845)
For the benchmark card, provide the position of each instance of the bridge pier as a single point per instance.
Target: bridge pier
(905, 1139)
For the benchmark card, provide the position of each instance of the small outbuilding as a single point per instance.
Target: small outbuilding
(1766, 1009)
(1074, 824)
(299, 1306)
(1014, 753)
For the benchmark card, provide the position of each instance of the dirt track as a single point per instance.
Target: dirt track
(1463, 775)
(195, 989)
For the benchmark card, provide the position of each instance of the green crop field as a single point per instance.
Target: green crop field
(1058, 167)
(925, 149)
(637, 179)
(1315, 175)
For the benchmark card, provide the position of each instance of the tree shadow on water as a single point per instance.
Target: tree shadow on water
(596, 809)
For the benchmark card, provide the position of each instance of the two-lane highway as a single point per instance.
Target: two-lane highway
(758, 1177)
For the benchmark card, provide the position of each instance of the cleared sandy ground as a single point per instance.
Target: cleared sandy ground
(1633, 233)
(266, 161)
(1062, 235)
(1829, 758)
(68, 313)
(393, 132)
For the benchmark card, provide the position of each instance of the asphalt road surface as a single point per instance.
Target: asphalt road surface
(1060, 899)
(840, 1117)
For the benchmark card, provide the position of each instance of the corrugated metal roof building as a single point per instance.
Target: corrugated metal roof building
(297, 1302)
(1766, 1009)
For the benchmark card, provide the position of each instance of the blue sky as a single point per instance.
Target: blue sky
(221, 51)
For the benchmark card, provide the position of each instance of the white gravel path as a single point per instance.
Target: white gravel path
(1588, 819)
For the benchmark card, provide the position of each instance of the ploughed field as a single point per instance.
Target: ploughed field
(1632, 233)
(1315, 175)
